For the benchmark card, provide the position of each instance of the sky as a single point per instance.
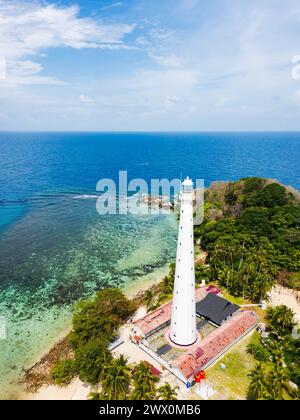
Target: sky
(141, 65)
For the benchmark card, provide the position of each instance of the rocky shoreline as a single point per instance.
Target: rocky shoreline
(39, 374)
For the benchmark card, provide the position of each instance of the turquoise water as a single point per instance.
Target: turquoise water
(62, 251)
(56, 249)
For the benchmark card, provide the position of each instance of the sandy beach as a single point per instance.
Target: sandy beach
(283, 296)
(77, 390)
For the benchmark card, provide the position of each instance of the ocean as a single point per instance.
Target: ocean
(56, 249)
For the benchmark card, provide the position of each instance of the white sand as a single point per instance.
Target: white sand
(77, 390)
(284, 296)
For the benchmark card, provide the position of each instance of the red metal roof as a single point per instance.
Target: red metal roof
(214, 290)
(153, 369)
(215, 343)
(163, 314)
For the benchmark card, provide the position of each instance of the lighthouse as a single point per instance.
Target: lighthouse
(183, 323)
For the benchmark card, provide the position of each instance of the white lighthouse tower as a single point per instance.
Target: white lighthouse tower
(183, 324)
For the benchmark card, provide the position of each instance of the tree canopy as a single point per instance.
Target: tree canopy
(254, 236)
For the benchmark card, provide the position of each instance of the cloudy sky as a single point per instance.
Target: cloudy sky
(159, 65)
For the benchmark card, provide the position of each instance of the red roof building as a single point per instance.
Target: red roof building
(161, 317)
(214, 345)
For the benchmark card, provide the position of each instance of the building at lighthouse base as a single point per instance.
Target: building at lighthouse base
(215, 341)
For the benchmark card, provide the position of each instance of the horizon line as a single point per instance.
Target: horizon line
(149, 131)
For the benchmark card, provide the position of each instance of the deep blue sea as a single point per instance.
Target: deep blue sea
(56, 249)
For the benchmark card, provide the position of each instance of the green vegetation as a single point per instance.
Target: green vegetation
(233, 381)
(158, 294)
(167, 393)
(144, 383)
(116, 379)
(278, 358)
(95, 325)
(63, 372)
(251, 232)
(168, 281)
(289, 279)
(120, 382)
(91, 360)
(281, 320)
(97, 320)
(257, 387)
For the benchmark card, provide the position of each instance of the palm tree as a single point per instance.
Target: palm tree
(201, 272)
(149, 298)
(115, 379)
(281, 319)
(144, 383)
(278, 380)
(166, 392)
(168, 285)
(96, 396)
(172, 268)
(257, 388)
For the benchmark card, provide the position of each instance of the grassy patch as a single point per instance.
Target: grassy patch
(233, 299)
(232, 382)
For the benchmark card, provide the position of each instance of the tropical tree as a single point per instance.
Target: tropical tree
(63, 372)
(148, 297)
(244, 272)
(98, 319)
(96, 396)
(115, 379)
(201, 272)
(172, 268)
(166, 392)
(257, 389)
(259, 351)
(167, 285)
(144, 383)
(278, 381)
(90, 360)
(281, 319)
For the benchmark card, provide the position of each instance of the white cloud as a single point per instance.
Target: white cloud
(172, 60)
(2, 68)
(222, 101)
(172, 100)
(111, 6)
(86, 99)
(28, 28)
(297, 97)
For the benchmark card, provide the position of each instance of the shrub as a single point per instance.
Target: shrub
(90, 361)
(63, 372)
(99, 318)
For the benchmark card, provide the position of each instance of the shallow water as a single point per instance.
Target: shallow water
(63, 251)
(56, 249)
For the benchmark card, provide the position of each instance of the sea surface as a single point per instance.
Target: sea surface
(56, 249)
